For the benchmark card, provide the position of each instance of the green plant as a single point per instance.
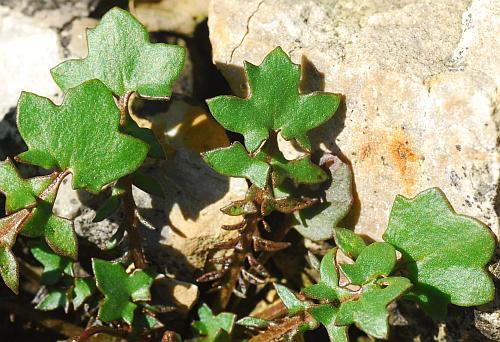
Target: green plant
(92, 137)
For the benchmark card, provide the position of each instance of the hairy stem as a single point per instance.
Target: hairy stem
(239, 255)
(98, 329)
(132, 225)
(288, 325)
(131, 222)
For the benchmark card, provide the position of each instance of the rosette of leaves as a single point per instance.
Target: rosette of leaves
(444, 255)
(275, 106)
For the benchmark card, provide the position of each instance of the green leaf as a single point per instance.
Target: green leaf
(146, 135)
(318, 221)
(20, 193)
(326, 315)
(214, 327)
(120, 290)
(292, 303)
(58, 232)
(148, 184)
(83, 289)
(55, 298)
(299, 171)
(80, 135)
(253, 322)
(376, 260)
(112, 203)
(54, 266)
(9, 229)
(349, 242)
(234, 161)
(239, 207)
(274, 104)
(369, 312)
(328, 287)
(445, 253)
(122, 57)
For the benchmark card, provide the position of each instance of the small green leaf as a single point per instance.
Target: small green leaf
(369, 312)
(148, 184)
(9, 229)
(274, 104)
(376, 260)
(122, 57)
(120, 290)
(445, 253)
(299, 171)
(234, 161)
(326, 315)
(54, 266)
(111, 204)
(58, 232)
(292, 303)
(313, 261)
(83, 289)
(20, 193)
(81, 135)
(318, 221)
(253, 322)
(349, 242)
(239, 207)
(328, 287)
(55, 298)
(214, 327)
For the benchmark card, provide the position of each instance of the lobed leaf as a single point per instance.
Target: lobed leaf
(350, 243)
(292, 303)
(120, 289)
(234, 161)
(122, 57)
(9, 229)
(20, 193)
(55, 298)
(328, 287)
(375, 260)
(326, 315)
(369, 311)
(318, 221)
(83, 289)
(54, 266)
(445, 253)
(57, 231)
(214, 327)
(274, 104)
(81, 135)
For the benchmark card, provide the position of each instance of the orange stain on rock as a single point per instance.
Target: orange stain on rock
(404, 158)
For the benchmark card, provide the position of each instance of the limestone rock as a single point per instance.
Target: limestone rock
(179, 16)
(420, 81)
(28, 51)
(53, 13)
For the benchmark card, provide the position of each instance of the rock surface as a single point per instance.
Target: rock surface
(180, 16)
(28, 52)
(420, 81)
(53, 13)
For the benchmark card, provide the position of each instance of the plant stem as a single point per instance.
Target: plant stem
(128, 203)
(239, 255)
(98, 329)
(132, 225)
(289, 324)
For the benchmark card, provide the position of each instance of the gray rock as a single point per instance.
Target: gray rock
(420, 81)
(53, 13)
(29, 50)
